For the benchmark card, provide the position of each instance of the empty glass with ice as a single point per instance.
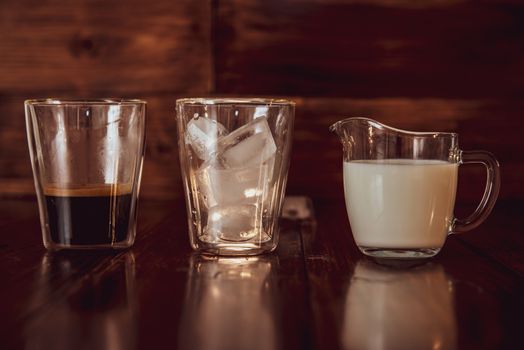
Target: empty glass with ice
(234, 155)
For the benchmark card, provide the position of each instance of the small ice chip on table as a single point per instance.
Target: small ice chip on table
(202, 134)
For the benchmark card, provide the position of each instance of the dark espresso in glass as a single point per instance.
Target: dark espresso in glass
(89, 215)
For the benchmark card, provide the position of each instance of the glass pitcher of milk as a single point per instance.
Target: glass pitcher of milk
(400, 187)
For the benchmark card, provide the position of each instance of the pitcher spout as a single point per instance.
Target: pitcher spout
(346, 127)
(366, 139)
(352, 122)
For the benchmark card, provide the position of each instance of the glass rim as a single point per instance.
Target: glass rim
(383, 126)
(84, 102)
(205, 101)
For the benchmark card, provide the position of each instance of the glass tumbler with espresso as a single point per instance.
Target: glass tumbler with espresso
(87, 158)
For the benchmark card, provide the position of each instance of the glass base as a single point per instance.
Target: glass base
(51, 246)
(225, 248)
(235, 238)
(399, 253)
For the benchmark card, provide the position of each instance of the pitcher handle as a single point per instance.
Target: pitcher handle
(490, 192)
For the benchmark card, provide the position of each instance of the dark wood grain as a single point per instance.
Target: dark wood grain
(499, 238)
(415, 65)
(418, 65)
(161, 169)
(460, 299)
(493, 125)
(81, 48)
(315, 292)
(156, 294)
(370, 48)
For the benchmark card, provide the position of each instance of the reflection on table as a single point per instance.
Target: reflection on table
(230, 304)
(98, 312)
(399, 307)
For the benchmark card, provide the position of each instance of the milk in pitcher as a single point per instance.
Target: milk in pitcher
(400, 203)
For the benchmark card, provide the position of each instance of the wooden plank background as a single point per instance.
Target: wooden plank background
(446, 65)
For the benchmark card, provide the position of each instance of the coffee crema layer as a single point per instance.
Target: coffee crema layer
(87, 190)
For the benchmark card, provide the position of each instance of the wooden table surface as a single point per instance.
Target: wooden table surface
(316, 291)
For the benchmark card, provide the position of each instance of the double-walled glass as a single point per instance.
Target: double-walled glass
(234, 155)
(87, 158)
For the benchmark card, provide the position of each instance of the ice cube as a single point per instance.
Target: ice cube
(202, 134)
(234, 186)
(233, 222)
(250, 145)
